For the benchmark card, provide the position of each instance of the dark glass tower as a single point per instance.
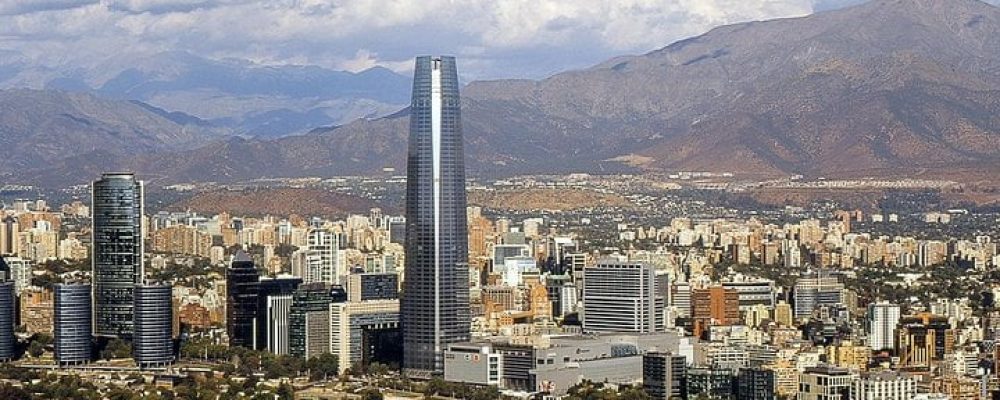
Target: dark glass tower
(118, 250)
(72, 323)
(242, 287)
(7, 340)
(152, 345)
(435, 304)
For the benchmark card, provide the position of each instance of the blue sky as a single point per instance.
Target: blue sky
(494, 39)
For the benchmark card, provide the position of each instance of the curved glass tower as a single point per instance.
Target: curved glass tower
(118, 250)
(72, 323)
(152, 345)
(435, 303)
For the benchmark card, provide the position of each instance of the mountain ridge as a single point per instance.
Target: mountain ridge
(889, 88)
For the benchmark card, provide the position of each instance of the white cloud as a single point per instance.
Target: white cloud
(493, 38)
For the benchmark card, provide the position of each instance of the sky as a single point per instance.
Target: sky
(492, 38)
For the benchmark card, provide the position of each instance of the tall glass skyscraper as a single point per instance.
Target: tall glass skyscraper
(118, 251)
(435, 304)
(7, 340)
(242, 288)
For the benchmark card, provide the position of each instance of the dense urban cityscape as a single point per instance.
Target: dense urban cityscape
(274, 200)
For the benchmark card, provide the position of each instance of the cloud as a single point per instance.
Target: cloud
(17, 7)
(523, 38)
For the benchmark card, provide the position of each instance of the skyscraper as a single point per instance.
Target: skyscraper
(814, 291)
(323, 262)
(152, 344)
(118, 251)
(435, 306)
(72, 323)
(7, 340)
(274, 302)
(8, 235)
(622, 297)
(309, 318)
(882, 319)
(242, 287)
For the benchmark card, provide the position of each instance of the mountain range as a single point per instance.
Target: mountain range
(244, 98)
(900, 88)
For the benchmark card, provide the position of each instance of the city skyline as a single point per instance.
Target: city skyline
(799, 208)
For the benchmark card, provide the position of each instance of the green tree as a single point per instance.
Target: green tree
(10, 392)
(117, 348)
(370, 394)
(35, 349)
(285, 392)
(323, 366)
(485, 393)
(633, 393)
(119, 393)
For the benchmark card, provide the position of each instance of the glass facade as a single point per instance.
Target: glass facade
(309, 313)
(242, 288)
(435, 304)
(7, 340)
(118, 251)
(273, 303)
(72, 323)
(152, 345)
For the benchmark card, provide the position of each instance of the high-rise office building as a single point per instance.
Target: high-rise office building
(435, 307)
(882, 319)
(622, 297)
(117, 251)
(152, 345)
(365, 330)
(9, 229)
(7, 340)
(814, 291)
(274, 303)
(923, 339)
(242, 288)
(715, 305)
(72, 319)
(309, 318)
(17, 270)
(323, 261)
(664, 375)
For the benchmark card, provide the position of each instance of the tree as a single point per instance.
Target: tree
(117, 348)
(323, 366)
(9, 392)
(378, 369)
(285, 392)
(35, 349)
(119, 393)
(282, 366)
(436, 386)
(370, 394)
(633, 393)
(485, 393)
